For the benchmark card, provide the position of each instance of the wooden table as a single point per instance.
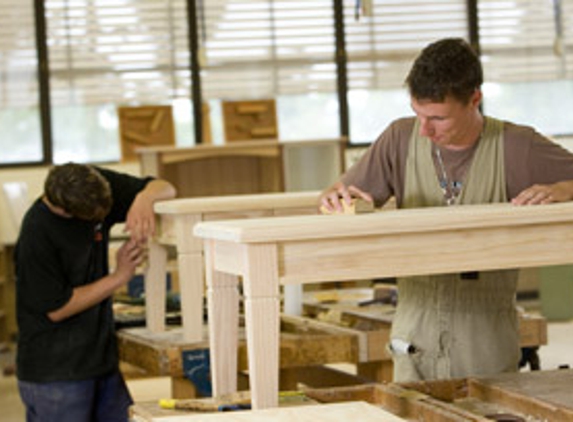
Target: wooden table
(308, 249)
(176, 219)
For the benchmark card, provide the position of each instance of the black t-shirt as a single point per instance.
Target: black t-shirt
(54, 255)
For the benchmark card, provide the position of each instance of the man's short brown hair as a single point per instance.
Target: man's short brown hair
(80, 190)
(448, 67)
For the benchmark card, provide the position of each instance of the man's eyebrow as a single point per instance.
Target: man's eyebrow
(433, 116)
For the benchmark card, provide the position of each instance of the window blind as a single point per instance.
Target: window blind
(266, 48)
(19, 112)
(518, 40)
(381, 47)
(117, 51)
(18, 59)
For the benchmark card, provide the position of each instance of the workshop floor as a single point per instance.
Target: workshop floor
(558, 352)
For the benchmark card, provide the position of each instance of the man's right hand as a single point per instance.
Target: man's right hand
(128, 257)
(331, 199)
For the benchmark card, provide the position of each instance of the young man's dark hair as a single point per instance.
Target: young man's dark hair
(449, 67)
(79, 190)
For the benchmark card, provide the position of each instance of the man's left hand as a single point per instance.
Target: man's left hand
(545, 194)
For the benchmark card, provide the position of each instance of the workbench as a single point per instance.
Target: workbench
(268, 253)
(305, 347)
(540, 396)
(358, 312)
(334, 332)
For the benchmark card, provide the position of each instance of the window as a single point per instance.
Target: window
(381, 49)
(19, 112)
(528, 66)
(107, 53)
(257, 49)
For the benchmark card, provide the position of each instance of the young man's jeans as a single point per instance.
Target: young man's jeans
(102, 399)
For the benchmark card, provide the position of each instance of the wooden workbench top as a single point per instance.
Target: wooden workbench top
(538, 396)
(304, 342)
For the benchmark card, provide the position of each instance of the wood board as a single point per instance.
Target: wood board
(334, 412)
(533, 396)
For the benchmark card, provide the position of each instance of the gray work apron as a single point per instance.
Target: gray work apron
(456, 325)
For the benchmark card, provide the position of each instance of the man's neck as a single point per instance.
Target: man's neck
(471, 136)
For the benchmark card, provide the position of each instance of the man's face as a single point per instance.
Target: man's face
(449, 124)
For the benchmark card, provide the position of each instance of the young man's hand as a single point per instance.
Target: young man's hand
(140, 221)
(128, 257)
(331, 199)
(545, 194)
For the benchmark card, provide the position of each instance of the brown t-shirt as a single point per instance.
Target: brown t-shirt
(530, 158)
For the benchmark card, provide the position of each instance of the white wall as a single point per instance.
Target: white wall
(34, 178)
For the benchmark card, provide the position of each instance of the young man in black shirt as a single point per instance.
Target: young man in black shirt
(67, 358)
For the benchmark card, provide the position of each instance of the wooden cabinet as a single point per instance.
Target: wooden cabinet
(260, 166)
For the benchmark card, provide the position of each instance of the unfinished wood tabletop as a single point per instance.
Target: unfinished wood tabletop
(418, 220)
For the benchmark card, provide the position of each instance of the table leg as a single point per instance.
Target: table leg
(191, 281)
(191, 284)
(262, 319)
(223, 308)
(154, 280)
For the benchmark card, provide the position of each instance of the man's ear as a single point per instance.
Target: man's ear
(476, 98)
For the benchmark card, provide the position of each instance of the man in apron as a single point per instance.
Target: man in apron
(455, 325)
